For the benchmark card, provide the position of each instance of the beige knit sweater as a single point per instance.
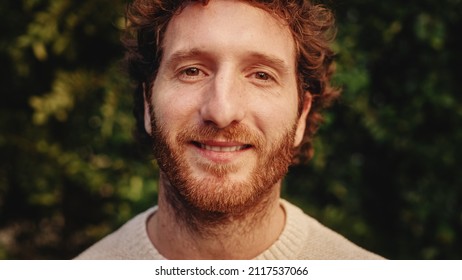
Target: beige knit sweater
(302, 238)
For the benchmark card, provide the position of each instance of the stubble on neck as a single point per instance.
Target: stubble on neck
(210, 224)
(179, 231)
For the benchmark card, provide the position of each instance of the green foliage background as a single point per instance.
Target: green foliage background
(386, 171)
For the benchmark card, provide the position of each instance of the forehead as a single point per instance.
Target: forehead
(229, 27)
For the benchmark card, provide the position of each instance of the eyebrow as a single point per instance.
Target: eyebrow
(181, 55)
(273, 61)
(258, 57)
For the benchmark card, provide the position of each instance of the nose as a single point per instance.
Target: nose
(223, 101)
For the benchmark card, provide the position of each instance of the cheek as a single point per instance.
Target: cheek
(276, 118)
(174, 112)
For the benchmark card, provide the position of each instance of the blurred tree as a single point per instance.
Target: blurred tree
(387, 162)
(385, 171)
(69, 169)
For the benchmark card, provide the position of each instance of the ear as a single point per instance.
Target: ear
(301, 123)
(147, 112)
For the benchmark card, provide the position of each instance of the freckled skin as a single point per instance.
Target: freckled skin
(225, 111)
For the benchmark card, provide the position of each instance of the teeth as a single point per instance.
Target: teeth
(222, 149)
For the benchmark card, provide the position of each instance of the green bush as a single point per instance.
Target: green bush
(387, 159)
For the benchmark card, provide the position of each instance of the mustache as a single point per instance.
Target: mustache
(232, 133)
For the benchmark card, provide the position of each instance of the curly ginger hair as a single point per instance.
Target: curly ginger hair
(312, 27)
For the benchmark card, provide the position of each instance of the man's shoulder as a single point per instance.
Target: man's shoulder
(128, 242)
(306, 238)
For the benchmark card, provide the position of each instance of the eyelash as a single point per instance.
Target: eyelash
(183, 74)
(260, 76)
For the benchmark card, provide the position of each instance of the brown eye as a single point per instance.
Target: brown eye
(191, 74)
(193, 71)
(262, 76)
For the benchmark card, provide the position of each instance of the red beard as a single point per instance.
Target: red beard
(216, 192)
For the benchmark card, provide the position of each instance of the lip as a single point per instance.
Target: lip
(221, 151)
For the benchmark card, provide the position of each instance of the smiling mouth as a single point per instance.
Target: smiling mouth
(221, 148)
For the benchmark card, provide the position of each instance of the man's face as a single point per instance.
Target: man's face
(224, 105)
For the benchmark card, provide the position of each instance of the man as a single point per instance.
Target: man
(228, 93)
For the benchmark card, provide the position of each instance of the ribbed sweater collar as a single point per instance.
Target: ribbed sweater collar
(286, 247)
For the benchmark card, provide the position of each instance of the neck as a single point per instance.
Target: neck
(179, 231)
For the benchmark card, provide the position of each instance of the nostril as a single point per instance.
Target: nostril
(221, 110)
